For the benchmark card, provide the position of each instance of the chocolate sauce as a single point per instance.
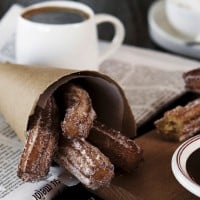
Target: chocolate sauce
(193, 166)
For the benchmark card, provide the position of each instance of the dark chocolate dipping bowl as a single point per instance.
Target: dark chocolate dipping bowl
(186, 164)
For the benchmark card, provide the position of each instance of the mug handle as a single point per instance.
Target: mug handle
(118, 37)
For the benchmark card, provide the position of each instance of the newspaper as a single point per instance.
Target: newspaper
(148, 78)
(146, 89)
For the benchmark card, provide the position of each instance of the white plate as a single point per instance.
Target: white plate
(163, 34)
(179, 161)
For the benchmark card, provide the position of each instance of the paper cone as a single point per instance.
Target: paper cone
(24, 87)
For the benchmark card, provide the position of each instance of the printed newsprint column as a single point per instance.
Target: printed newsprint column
(9, 155)
(147, 89)
(11, 187)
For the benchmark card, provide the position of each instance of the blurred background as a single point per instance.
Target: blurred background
(133, 14)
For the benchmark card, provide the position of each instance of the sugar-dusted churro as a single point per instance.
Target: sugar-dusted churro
(181, 122)
(122, 151)
(42, 138)
(79, 114)
(192, 80)
(85, 162)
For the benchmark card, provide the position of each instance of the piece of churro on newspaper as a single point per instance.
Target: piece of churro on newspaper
(181, 122)
(192, 80)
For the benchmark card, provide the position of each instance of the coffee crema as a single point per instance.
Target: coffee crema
(55, 15)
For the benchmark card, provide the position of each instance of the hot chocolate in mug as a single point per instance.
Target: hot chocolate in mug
(63, 34)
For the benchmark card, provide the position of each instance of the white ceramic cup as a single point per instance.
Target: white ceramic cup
(69, 45)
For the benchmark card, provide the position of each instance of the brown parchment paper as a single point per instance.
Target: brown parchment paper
(24, 87)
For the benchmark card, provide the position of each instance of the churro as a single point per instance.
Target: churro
(41, 144)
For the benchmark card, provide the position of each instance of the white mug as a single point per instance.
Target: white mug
(72, 45)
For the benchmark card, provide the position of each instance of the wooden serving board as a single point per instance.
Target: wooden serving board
(153, 180)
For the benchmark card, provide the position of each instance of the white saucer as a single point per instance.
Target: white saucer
(179, 161)
(163, 34)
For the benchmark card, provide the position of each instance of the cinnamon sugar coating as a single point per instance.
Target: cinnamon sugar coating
(122, 151)
(79, 115)
(181, 122)
(192, 80)
(85, 162)
(41, 143)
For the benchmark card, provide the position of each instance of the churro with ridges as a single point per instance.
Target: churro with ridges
(85, 162)
(181, 122)
(41, 143)
(122, 151)
(192, 80)
(79, 114)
